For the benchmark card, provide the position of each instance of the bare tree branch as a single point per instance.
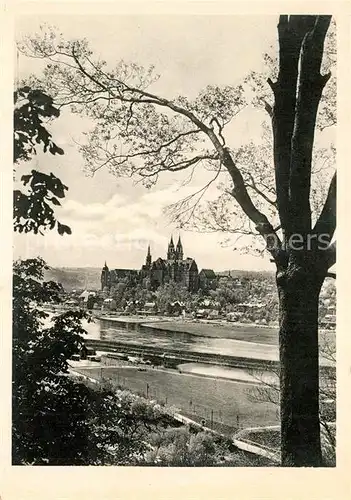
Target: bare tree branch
(261, 193)
(268, 108)
(177, 210)
(239, 191)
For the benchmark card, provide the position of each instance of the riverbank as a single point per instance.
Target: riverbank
(234, 331)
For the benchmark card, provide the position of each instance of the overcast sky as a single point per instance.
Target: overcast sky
(114, 219)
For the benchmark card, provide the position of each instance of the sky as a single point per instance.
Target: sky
(114, 219)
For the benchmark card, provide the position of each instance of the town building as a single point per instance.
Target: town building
(207, 279)
(110, 278)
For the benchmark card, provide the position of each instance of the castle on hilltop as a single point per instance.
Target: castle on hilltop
(160, 271)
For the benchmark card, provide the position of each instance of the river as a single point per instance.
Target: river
(261, 345)
(109, 330)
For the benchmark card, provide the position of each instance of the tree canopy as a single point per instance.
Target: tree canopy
(34, 208)
(137, 133)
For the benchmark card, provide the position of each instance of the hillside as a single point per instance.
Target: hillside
(73, 278)
(242, 273)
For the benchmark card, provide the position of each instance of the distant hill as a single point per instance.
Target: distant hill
(89, 277)
(241, 273)
(73, 278)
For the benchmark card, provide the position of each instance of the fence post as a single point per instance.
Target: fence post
(211, 419)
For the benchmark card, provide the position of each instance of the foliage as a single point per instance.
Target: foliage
(57, 421)
(188, 447)
(256, 162)
(224, 297)
(181, 448)
(91, 301)
(34, 208)
(184, 448)
(31, 107)
(126, 293)
(39, 356)
(171, 292)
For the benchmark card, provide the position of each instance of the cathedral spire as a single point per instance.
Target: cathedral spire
(179, 249)
(105, 277)
(148, 257)
(171, 250)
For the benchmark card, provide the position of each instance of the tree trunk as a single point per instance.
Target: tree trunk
(298, 291)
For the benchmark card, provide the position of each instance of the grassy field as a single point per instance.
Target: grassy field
(223, 401)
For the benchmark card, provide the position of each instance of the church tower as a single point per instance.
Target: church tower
(171, 250)
(148, 258)
(179, 250)
(105, 277)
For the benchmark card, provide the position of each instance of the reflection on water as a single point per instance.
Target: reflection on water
(175, 340)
